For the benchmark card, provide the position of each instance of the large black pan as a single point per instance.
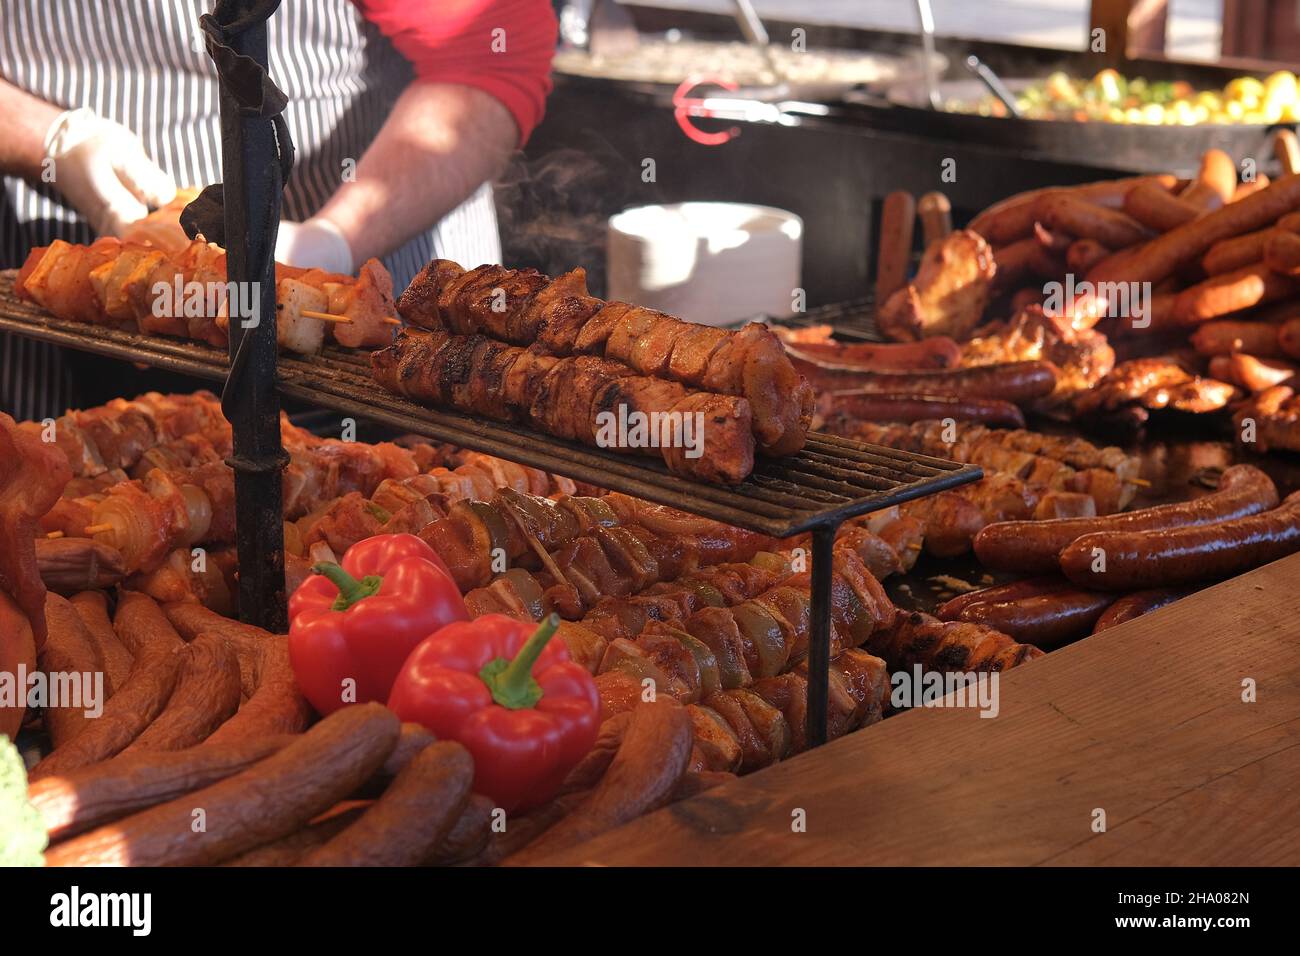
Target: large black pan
(1118, 146)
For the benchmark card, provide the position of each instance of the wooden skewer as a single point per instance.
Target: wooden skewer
(98, 528)
(914, 547)
(54, 534)
(1140, 482)
(389, 320)
(324, 316)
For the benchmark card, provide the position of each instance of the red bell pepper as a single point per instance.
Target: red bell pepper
(360, 620)
(511, 696)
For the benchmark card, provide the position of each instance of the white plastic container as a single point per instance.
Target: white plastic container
(709, 262)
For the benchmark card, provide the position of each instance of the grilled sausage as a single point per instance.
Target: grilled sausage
(68, 651)
(1225, 336)
(270, 799)
(1215, 182)
(1158, 209)
(1229, 255)
(1184, 555)
(1034, 546)
(1085, 220)
(206, 694)
(128, 712)
(1134, 605)
(887, 407)
(415, 814)
(642, 777)
(1012, 382)
(897, 222)
(1243, 288)
(1044, 620)
(92, 608)
(72, 802)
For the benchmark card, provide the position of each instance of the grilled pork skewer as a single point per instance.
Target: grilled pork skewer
(525, 308)
(571, 398)
(128, 285)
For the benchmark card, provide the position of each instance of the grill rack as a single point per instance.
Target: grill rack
(831, 480)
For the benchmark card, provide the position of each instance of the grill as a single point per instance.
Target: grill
(831, 480)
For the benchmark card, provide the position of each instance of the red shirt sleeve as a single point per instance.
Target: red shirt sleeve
(503, 47)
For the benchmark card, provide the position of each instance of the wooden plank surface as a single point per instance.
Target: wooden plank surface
(1145, 721)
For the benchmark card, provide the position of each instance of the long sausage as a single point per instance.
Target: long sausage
(937, 351)
(70, 660)
(1086, 220)
(1014, 217)
(642, 777)
(277, 705)
(1034, 546)
(889, 407)
(406, 825)
(249, 642)
(1183, 555)
(1157, 208)
(206, 694)
(272, 798)
(128, 712)
(92, 608)
(897, 222)
(1044, 620)
(1229, 255)
(1215, 182)
(1166, 254)
(1244, 288)
(70, 803)
(1134, 605)
(141, 624)
(1257, 374)
(1013, 381)
(1225, 336)
(1027, 587)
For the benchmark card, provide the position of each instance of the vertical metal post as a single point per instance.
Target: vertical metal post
(251, 192)
(819, 648)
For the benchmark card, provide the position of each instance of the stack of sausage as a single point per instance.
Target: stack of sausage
(1220, 261)
(184, 294)
(1088, 574)
(515, 345)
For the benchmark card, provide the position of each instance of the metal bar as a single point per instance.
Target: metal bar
(251, 190)
(819, 648)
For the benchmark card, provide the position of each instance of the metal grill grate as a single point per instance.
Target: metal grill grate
(830, 480)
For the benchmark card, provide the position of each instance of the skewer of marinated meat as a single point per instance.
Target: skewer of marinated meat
(525, 308)
(575, 398)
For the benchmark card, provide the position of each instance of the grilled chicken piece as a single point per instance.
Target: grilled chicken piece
(1082, 357)
(949, 293)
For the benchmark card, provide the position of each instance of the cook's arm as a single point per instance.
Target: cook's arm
(440, 143)
(23, 121)
(480, 88)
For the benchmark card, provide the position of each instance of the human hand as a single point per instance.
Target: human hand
(316, 243)
(102, 170)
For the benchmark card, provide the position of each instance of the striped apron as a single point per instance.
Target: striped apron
(142, 63)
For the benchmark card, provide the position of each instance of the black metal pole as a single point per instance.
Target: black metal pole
(252, 184)
(819, 648)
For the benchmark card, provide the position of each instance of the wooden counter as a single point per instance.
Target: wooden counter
(1145, 721)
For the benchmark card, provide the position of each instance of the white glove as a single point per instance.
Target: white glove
(314, 244)
(101, 168)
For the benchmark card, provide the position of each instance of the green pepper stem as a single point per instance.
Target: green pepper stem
(350, 589)
(511, 683)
